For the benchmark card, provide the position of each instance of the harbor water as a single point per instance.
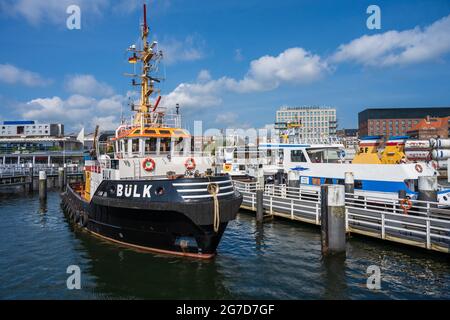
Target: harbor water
(277, 260)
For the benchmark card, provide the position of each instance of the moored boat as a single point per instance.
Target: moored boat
(153, 192)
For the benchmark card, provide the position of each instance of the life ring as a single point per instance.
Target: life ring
(434, 164)
(418, 168)
(405, 204)
(190, 164)
(149, 164)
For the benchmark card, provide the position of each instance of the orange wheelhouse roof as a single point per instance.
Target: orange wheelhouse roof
(153, 133)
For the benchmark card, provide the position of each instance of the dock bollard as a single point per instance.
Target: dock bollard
(428, 187)
(31, 186)
(349, 182)
(333, 234)
(61, 178)
(42, 185)
(259, 205)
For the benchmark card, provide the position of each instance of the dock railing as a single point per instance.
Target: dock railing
(418, 223)
(7, 171)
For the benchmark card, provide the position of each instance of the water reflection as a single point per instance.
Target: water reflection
(127, 273)
(259, 236)
(275, 260)
(334, 276)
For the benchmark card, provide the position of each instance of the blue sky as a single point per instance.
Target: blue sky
(228, 63)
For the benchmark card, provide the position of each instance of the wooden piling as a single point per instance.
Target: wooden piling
(42, 185)
(333, 219)
(259, 205)
(62, 178)
(31, 177)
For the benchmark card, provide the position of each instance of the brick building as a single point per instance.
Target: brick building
(430, 128)
(394, 121)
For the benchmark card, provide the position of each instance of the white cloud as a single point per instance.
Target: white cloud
(76, 111)
(226, 118)
(398, 47)
(13, 75)
(129, 6)
(203, 76)
(106, 122)
(189, 49)
(86, 84)
(193, 95)
(294, 65)
(50, 11)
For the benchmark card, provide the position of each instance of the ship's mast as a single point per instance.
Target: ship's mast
(148, 56)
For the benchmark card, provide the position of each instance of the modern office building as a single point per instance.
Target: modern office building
(28, 142)
(394, 121)
(30, 129)
(307, 123)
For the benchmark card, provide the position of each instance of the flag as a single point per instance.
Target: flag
(132, 59)
(80, 136)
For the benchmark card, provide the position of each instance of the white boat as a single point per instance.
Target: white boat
(313, 165)
(309, 165)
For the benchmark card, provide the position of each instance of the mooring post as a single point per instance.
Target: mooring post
(333, 219)
(259, 205)
(42, 185)
(260, 178)
(31, 174)
(61, 178)
(428, 187)
(349, 182)
(65, 176)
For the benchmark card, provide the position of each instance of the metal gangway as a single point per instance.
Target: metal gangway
(424, 224)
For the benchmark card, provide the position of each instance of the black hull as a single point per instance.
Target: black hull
(172, 226)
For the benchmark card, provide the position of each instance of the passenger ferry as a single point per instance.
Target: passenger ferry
(308, 166)
(153, 193)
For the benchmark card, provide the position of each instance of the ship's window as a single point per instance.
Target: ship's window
(138, 131)
(150, 131)
(297, 156)
(164, 131)
(135, 145)
(327, 155)
(358, 184)
(179, 144)
(150, 145)
(164, 145)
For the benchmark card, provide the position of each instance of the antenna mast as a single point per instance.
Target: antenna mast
(148, 57)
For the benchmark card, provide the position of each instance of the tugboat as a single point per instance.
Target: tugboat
(153, 192)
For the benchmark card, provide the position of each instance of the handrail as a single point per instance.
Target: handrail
(367, 215)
